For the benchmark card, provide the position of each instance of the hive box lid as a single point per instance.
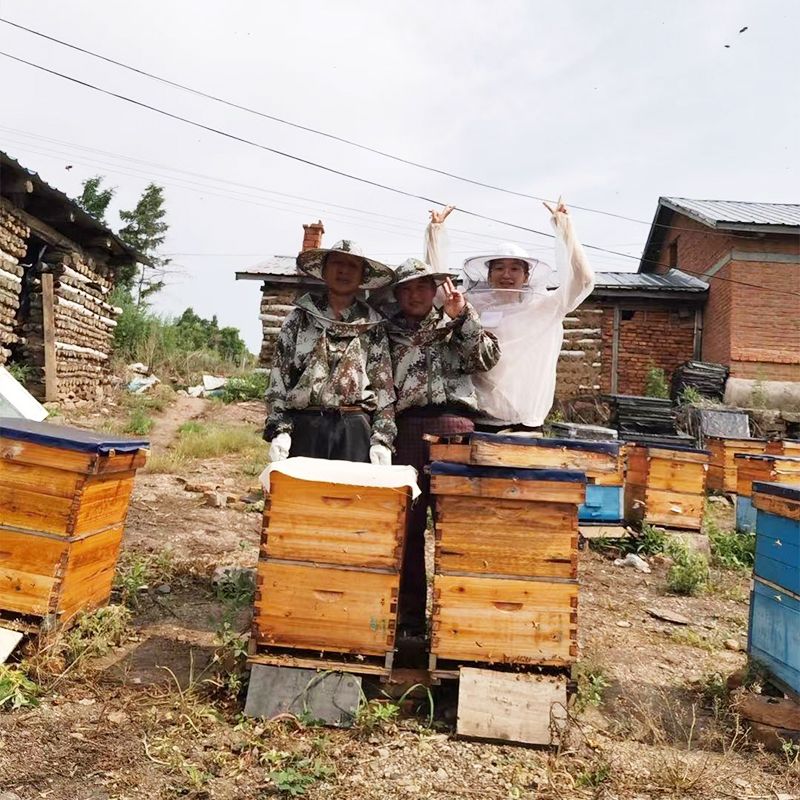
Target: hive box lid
(777, 490)
(67, 438)
(589, 446)
(507, 473)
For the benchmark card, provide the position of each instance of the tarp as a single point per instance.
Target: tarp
(507, 473)
(66, 438)
(349, 473)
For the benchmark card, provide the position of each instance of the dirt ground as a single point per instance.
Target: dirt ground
(159, 716)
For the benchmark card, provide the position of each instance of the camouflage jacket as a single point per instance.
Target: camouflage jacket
(434, 360)
(320, 361)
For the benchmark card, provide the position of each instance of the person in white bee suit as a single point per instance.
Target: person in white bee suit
(509, 290)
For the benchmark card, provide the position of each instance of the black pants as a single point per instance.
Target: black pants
(331, 435)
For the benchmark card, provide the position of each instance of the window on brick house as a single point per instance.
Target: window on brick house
(673, 254)
(626, 314)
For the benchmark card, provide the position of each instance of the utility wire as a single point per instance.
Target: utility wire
(327, 135)
(344, 174)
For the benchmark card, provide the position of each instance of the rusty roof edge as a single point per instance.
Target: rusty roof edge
(94, 226)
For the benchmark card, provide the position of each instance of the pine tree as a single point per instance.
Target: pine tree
(145, 231)
(95, 200)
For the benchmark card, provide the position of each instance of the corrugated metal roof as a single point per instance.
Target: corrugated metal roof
(674, 280)
(733, 214)
(274, 265)
(77, 225)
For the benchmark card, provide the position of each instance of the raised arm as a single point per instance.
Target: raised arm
(477, 349)
(436, 239)
(578, 280)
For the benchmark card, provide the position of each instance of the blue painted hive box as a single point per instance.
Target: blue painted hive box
(766, 469)
(774, 635)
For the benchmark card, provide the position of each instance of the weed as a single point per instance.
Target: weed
(651, 541)
(690, 638)
(376, 713)
(730, 549)
(252, 386)
(20, 372)
(690, 396)
(295, 779)
(791, 752)
(689, 572)
(157, 399)
(655, 383)
(191, 426)
(594, 776)
(96, 632)
(17, 690)
(237, 587)
(135, 573)
(139, 423)
(592, 683)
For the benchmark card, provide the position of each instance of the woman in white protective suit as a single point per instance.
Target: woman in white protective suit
(509, 290)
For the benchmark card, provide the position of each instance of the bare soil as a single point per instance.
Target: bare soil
(151, 720)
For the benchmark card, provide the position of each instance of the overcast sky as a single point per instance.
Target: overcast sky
(609, 103)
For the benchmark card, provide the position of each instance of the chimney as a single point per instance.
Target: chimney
(312, 235)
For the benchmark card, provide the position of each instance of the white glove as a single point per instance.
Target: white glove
(279, 447)
(380, 455)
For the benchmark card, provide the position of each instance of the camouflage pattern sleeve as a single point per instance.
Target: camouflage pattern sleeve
(379, 372)
(280, 377)
(477, 349)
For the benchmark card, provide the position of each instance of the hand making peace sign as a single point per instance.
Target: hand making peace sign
(441, 216)
(454, 303)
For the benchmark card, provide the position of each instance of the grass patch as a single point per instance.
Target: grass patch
(592, 683)
(689, 573)
(211, 440)
(689, 638)
(136, 573)
(165, 463)
(139, 422)
(730, 549)
(95, 633)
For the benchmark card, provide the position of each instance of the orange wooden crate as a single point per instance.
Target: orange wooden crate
(329, 568)
(666, 486)
(64, 496)
(722, 464)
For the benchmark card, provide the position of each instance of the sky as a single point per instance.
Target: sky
(610, 104)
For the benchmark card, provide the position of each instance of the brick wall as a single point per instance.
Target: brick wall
(651, 334)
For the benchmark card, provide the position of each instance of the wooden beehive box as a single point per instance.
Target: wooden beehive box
(722, 467)
(768, 469)
(602, 462)
(666, 486)
(505, 584)
(774, 631)
(784, 447)
(329, 565)
(64, 496)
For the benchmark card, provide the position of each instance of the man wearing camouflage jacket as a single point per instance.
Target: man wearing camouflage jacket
(434, 353)
(331, 392)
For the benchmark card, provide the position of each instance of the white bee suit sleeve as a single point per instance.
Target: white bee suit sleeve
(436, 245)
(529, 326)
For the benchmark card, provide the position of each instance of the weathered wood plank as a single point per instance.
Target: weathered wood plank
(503, 489)
(553, 517)
(781, 506)
(49, 334)
(510, 706)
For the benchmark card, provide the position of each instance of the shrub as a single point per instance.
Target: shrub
(690, 396)
(655, 383)
(732, 550)
(247, 387)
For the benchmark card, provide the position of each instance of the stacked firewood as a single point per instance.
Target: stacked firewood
(13, 246)
(276, 303)
(84, 324)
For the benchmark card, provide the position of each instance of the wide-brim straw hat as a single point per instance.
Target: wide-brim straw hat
(376, 274)
(412, 269)
(476, 268)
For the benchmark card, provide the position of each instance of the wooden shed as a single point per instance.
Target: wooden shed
(57, 271)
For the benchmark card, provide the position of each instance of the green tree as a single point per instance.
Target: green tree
(145, 230)
(95, 200)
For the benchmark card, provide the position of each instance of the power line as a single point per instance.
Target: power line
(343, 174)
(327, 135)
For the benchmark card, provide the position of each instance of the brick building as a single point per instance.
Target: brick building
(749, 254)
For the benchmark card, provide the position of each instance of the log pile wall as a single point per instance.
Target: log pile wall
(276, 302)
(13, 246)
(84, 324)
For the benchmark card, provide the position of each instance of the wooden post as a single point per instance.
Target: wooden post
(615, 352)
(49, 326)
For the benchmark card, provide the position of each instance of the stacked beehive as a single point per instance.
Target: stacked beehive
(329, 567)
(13, 247)
(774, 631)
(769, 469)
(666, 486)
(722, 468)
(784, 447)
(64, 497)
(84, 325)
(505, 566)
